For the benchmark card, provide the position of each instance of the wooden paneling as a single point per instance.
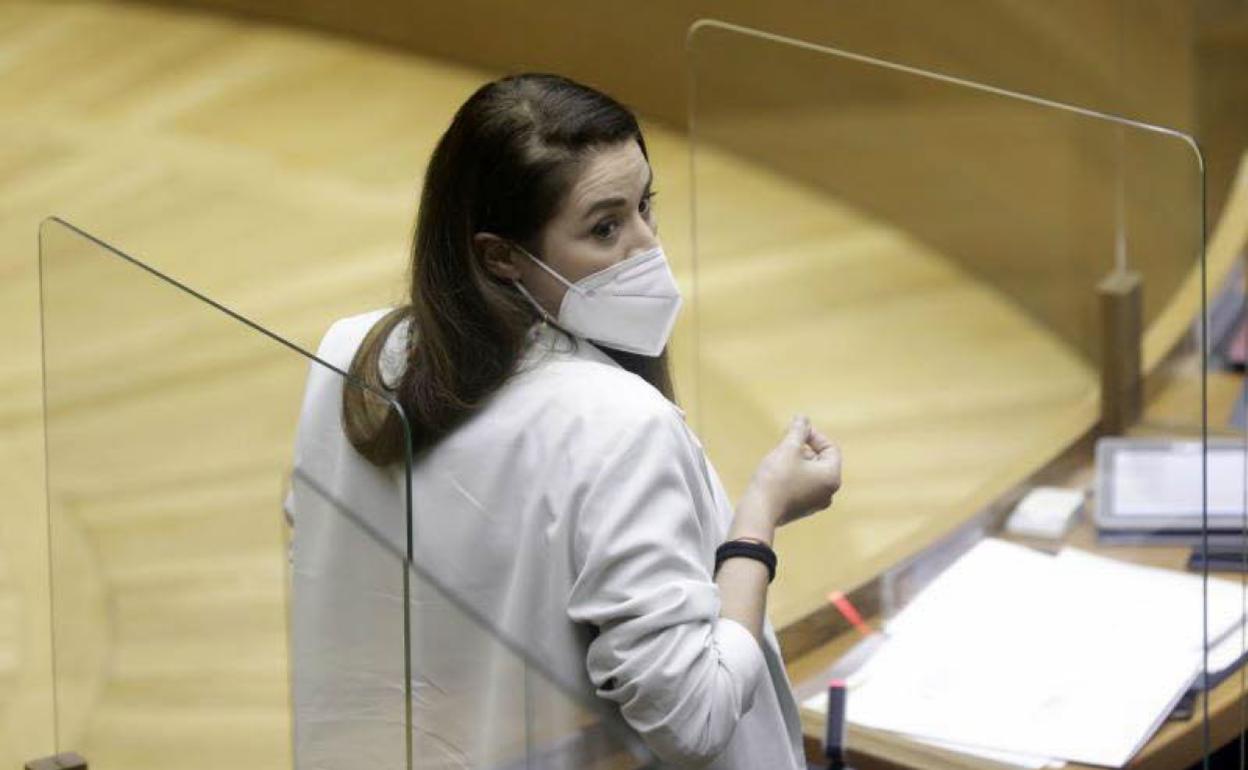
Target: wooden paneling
(278, 172)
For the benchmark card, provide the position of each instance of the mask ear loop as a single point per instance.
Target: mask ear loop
(546, 317)
(549, 269)
(548, 321)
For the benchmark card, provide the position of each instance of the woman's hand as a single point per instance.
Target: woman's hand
(794, 480)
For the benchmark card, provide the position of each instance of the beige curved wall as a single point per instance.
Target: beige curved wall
(1150, 60)
(1174, 63)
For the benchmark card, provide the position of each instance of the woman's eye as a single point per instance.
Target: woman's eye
(647, 202)
(604, 229)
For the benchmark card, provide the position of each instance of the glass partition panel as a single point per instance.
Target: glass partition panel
(996, 305)
(26, 714)
(222, 601)
(483, 695)
(171, 434)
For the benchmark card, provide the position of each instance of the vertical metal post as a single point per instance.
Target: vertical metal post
(1122, 330)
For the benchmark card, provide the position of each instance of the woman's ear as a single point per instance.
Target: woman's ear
(497, 256)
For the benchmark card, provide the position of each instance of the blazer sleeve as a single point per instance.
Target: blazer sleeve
(643, 549)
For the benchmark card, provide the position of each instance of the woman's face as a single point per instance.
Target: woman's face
(605, 218)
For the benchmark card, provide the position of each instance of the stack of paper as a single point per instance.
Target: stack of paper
(1028, 658)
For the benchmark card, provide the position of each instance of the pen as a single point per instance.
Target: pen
(838, 693)
(834, 740)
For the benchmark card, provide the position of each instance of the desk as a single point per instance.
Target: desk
(1176, 744)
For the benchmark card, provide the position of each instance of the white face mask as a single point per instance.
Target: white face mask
(631, 305)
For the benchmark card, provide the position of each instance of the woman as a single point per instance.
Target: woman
(566, 527)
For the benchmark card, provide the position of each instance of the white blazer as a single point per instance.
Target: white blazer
(560, 603)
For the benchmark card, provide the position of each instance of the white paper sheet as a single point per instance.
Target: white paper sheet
(1014, 650)
(819, 703)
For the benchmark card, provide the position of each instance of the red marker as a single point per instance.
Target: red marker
(841, 602)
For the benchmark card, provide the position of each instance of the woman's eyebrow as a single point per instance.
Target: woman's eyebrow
(612, 202)
(605, 203)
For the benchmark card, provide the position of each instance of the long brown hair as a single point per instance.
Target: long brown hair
(504, 166)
